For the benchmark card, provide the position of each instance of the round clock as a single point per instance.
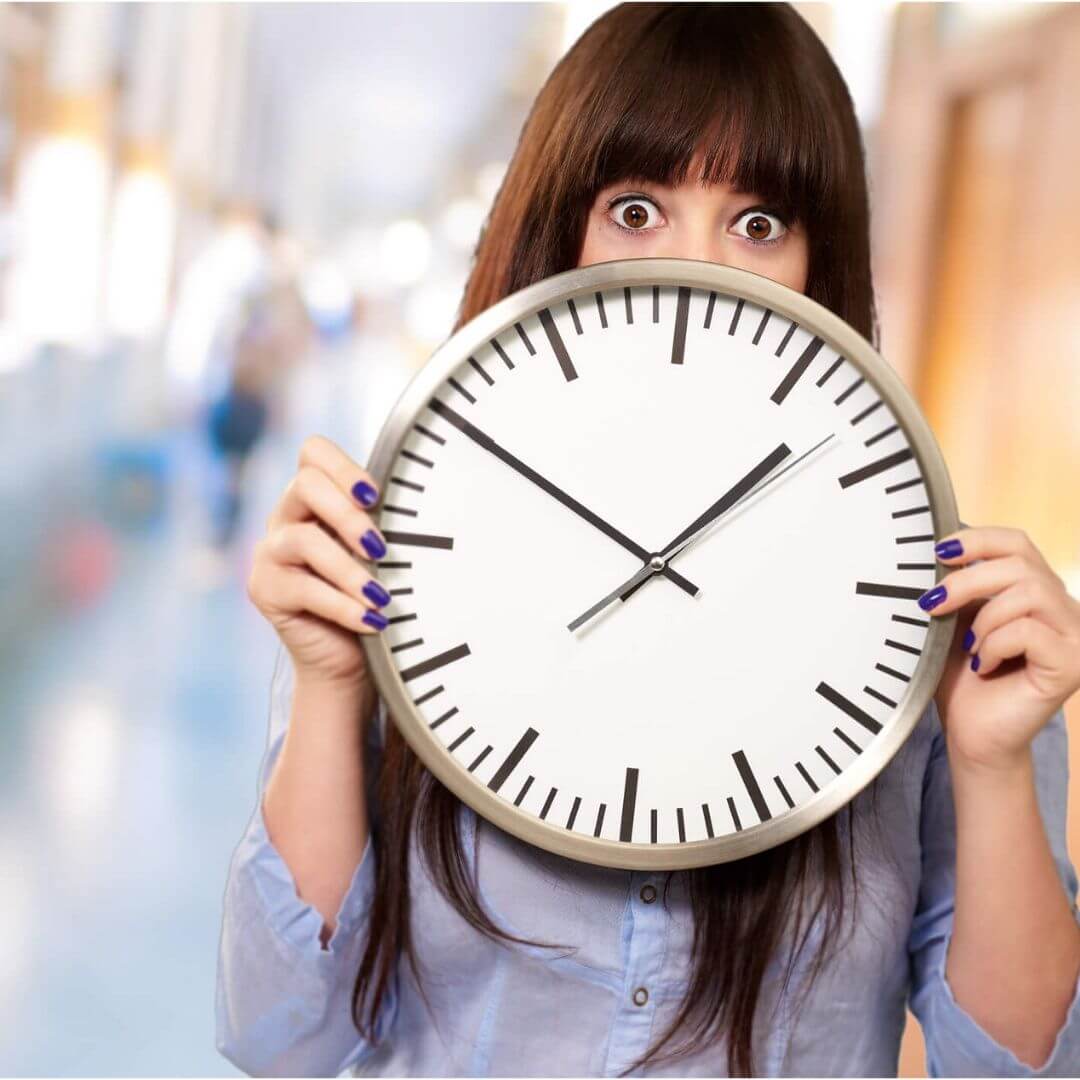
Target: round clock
(656, 531)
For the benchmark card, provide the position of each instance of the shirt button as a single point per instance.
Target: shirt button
(641, 995)
(648, 893)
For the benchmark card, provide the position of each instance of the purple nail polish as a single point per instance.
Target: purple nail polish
(975, 662)
(376, 620)
(376, 593)
(932, 597)
(364, 493)
(969, 639)
(949, 549)
(373, 544)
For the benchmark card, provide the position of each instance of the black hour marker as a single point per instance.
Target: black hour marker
(407, 645)
(848, 706)
(806, 776)
(406, 483)
(574, 315)
(828, 760)
(753, 789)
(783, 791)
(709, 310)
(896, 592)
(525, 338)
(502, 352)
(418, 459)
(435, 662)
(835, 364)
(629, 307)
(846, 739)
(428, 696)
(708, 820)
(462, 391)
(573, 812)
(600, 309)
(915, 566)
(900, 487)
(911, 511)
(681, 824)
(735, 317)
(910, 622)
(547, 803)
(682, 313)
(893, 672)
(480, 371)
(915, 539)
(734, 814)
(480, 757)
(786, 338)
(402, 618)
(656, 303)
(881, 697)
(395, 565)
(558, 346)
(875, 467)
(442, 719)
(867, 411)
(761, 326)
(599, 819)
(430, 434)
(388, 509)
(512, 759)
(419, 539)
(652, 825)
(797, 370)
(524, 790)
(461, 738)
(629, 802)
(849, 391)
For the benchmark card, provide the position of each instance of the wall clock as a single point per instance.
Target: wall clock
(656, 532)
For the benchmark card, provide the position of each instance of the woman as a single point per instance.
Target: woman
(799, 960)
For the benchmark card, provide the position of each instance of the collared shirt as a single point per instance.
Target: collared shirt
(283, 999)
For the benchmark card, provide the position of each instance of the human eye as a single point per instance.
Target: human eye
(635, 211)
(763, 226)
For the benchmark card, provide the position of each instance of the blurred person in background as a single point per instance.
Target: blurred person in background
(354, 857)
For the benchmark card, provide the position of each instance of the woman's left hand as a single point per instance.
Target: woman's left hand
(1015, 657)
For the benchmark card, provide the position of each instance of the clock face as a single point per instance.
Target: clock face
(656, 531)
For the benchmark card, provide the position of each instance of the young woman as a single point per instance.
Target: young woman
(373, 923)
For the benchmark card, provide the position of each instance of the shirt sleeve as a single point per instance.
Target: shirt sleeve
(283, 1002)
(955, 1044)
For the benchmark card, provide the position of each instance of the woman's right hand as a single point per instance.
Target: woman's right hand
(312, 572)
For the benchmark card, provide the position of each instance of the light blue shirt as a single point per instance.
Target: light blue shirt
(283, 1000)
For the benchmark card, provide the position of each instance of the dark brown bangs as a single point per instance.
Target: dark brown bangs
(693, 83)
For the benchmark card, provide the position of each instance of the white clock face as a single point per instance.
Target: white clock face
(734, 688)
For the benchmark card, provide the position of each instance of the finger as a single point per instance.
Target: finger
(322, 453)
(311, 493)
(1034, 595)
(291, 589)
(1027, 637)
(987, 542)
(972, 582)
(304, 544)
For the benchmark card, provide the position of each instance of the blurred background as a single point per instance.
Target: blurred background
(224, 227)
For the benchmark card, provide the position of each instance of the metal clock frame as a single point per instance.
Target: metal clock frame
(729, 281)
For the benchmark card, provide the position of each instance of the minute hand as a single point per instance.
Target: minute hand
(481, 438)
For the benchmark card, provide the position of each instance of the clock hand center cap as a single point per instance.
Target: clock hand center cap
(657, 562)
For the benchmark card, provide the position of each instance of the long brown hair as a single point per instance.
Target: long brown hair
(646, 87)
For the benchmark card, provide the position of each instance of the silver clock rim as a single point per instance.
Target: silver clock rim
(846, 341)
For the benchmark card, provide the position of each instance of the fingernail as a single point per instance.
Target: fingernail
(975, 662)
(932, 597)
(364, 493)
(949, 549)
(376, 593)
(376, 620)
(969, 639)
(373, 544)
